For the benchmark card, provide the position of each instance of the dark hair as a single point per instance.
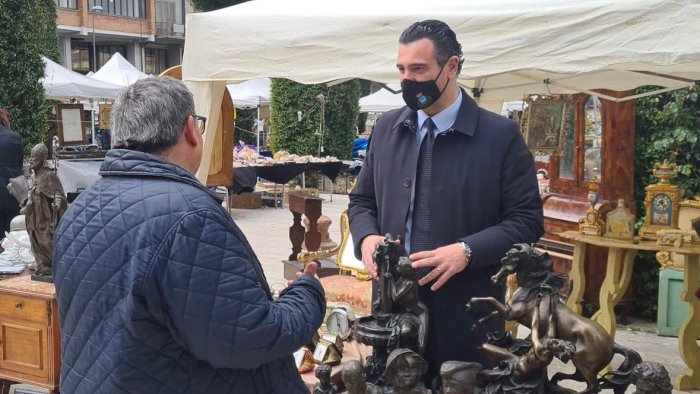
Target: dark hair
(443, 38)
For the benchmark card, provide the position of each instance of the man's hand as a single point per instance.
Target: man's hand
(310, 269)
(446, 261)
(368, 247)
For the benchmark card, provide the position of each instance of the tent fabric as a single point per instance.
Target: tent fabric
(511, 47)
(62, 83)
(382, 100)
(118, 71)
(250, 94)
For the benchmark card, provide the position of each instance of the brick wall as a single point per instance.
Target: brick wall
(83, 18)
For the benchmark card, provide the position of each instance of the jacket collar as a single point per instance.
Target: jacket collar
(124, 162)
(465, 122)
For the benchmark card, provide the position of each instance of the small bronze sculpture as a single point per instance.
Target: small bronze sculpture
(526, 373)
(537, 281)
(324, 385)
(460, 377)
(43, 209)
(354, 377)
(399, 319)
(410, 319)
(651, 378)
(404, 369)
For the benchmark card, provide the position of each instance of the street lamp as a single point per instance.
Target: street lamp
(95, 8)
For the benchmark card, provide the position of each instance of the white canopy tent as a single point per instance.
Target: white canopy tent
(251, 94)
(118, 71)
(512, 47)
(61, 83)
(383, 100)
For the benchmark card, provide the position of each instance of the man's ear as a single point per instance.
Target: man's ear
(190, 132)
(453, 65)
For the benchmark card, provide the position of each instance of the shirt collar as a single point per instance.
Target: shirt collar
(445, 118)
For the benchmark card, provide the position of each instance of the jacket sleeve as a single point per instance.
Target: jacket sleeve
(362, 209)
(206, 286)
(522, 219)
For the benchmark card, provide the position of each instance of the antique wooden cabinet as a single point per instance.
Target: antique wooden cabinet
(600, 146)
(29, 334)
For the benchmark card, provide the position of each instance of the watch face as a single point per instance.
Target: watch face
(338, 323)
(590, 218)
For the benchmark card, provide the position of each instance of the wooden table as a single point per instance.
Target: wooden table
(618, 276)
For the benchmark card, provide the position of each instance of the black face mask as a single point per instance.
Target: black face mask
(419, 95)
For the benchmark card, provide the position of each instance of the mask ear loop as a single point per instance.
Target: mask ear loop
(438, 76)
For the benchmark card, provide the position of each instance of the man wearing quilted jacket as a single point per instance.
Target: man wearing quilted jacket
(158, 289)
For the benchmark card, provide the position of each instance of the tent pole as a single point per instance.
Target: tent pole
(257, 131)
(92, 124)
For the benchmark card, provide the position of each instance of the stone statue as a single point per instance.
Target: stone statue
(460, 377)
(354, 377)
(43, 209)
(324, 385)
(404, 369)
(651, 378)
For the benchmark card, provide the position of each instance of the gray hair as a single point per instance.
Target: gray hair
(149, 115)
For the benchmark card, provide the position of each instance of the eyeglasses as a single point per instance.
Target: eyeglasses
(200, 122)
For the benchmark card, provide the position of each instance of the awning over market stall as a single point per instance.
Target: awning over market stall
(511, 47)
(250, 94)
(383, 100)
(62, 83)
(118, 71)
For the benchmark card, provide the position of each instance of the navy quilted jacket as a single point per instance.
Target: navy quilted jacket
(160, 292)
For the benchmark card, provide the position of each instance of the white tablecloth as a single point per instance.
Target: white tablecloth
(78, 174)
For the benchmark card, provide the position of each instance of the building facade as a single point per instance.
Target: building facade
(150, 34)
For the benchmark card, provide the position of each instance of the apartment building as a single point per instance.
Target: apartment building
(148, 33)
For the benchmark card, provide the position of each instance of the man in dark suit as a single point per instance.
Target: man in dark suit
(11, 156)
(456, 182)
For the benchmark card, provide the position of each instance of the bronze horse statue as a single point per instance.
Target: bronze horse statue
(594, 348)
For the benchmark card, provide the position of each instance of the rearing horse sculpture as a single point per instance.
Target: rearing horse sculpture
(536, 279)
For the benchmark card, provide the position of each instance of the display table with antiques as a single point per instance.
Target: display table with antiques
(618, 276)
(29, 334)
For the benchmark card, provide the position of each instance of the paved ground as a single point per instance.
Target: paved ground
(268, 231)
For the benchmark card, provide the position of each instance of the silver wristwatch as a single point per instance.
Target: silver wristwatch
(466, 250)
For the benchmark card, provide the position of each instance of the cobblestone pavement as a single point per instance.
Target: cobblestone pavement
(267, 230)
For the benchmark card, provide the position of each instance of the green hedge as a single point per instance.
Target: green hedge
(28, 31)
(667, 127)
(299, 137)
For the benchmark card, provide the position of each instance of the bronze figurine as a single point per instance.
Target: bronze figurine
(593, 347)
(404, 369)
(651, 378)
(460, 377)
(354, 377)
(43, 209)
(324, 385)
(399, 319)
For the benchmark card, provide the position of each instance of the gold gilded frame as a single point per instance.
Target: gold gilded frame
(545, 123)
(358, 272)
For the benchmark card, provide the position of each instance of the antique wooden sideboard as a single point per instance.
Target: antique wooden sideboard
(29, 334)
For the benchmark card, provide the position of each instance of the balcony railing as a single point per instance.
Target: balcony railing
(170, 29)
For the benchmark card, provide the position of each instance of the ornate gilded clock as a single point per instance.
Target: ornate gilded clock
(662, 202)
